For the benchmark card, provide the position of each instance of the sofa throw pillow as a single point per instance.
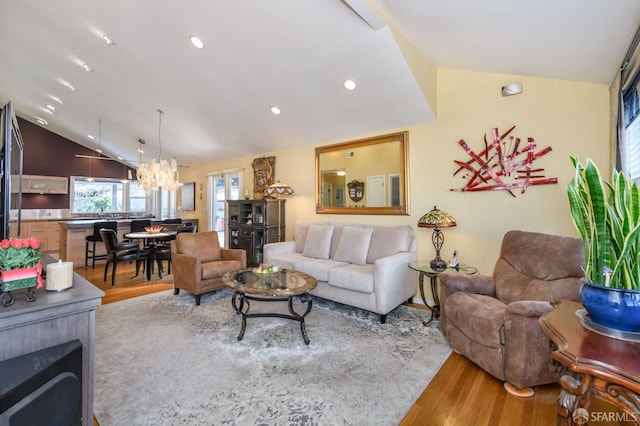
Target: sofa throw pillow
(388, 240)
(354, 245)
(318, 242)
(300, 233)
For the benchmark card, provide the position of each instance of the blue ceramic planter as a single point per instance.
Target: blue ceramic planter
(611, 307)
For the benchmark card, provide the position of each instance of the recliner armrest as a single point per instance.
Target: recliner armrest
(235, 254)
(476, 283)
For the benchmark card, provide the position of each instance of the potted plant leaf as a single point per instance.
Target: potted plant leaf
(607, 216)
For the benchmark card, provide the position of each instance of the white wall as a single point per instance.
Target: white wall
(571, 117)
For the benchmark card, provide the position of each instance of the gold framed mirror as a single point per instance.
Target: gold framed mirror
(365, 176)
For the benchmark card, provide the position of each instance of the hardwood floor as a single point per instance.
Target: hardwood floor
(459, 394)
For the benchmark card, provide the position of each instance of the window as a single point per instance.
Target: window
(137, 199)
(97, 196)
(631, 120)
(102, 195)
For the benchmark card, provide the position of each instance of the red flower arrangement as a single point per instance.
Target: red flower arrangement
(19, 253)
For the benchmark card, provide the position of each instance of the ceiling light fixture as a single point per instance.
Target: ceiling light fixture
(48, 111)
(42, 121)
(99, 148)
(196, 42)
(162, 174)
(350, 85)
(108, 40)
(58, 100)
(51, 107)
(275, 110)
(86, 67)
(69, 86)
(90, 137)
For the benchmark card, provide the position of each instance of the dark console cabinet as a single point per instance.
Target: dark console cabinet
(254, 223)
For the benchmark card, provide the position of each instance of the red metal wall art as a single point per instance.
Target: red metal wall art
(503, 164)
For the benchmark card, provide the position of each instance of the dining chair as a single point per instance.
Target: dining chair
(95, 238)
(120, 252)
(139, 225)
(163, 251)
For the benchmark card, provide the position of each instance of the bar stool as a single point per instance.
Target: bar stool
(95, 238)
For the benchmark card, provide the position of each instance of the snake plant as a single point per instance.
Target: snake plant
(607, 216)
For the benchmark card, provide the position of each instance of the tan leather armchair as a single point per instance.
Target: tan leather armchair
(199, 262)
(493, 321)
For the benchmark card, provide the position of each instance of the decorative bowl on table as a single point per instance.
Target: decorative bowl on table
(264, 269)
(154, 229)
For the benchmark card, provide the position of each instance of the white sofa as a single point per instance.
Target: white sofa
(358, 265)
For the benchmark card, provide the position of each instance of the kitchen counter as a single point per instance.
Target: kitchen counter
(88, 223)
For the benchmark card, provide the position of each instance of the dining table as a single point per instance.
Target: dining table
(151, 240)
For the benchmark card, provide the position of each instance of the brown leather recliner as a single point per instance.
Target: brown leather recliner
(199, 262)
(493, 321)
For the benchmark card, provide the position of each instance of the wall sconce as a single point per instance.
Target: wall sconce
(512, 89)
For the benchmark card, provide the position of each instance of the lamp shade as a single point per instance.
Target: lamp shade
(278, 190)
(436, 219)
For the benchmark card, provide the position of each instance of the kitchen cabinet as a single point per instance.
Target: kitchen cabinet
(35, 184)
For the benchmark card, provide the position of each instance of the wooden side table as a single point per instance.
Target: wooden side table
(592, 366)
(425, 269)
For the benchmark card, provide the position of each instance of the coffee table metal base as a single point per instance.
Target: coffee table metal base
(241, 304)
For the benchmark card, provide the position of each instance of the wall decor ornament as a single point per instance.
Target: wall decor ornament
(356, 190)
(264, 172)
(503, 164)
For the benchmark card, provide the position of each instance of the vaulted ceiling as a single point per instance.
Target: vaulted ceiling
(293, 54)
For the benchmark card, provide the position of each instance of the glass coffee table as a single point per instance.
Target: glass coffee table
(281, 286)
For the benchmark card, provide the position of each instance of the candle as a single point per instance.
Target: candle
(59, 276)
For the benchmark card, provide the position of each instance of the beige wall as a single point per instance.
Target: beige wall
(571, 117)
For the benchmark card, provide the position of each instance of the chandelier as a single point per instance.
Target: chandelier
(154, 174)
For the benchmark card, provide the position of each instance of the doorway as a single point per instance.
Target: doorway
(222, 187)
(375, 191)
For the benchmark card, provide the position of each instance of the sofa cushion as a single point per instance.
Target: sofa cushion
(479, 317)
(300, 233)
(318, 268)
(318, 242)
(354, 245)
(204, 245)
(388, 240)
(288, 260)
(352, 277)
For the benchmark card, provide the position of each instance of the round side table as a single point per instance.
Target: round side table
(425, 269)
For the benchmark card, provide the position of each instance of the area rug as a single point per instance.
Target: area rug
(160, 360)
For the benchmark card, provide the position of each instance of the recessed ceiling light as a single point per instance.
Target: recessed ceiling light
(58, 100)
(43, 122)
(108, 40)
(196, 42)
(90, 137)
(86, 67)
(69, 86)
(48, 111)
(98, 150)
(275, 110)
(350, 85)
(51, 107)
(119, 158)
